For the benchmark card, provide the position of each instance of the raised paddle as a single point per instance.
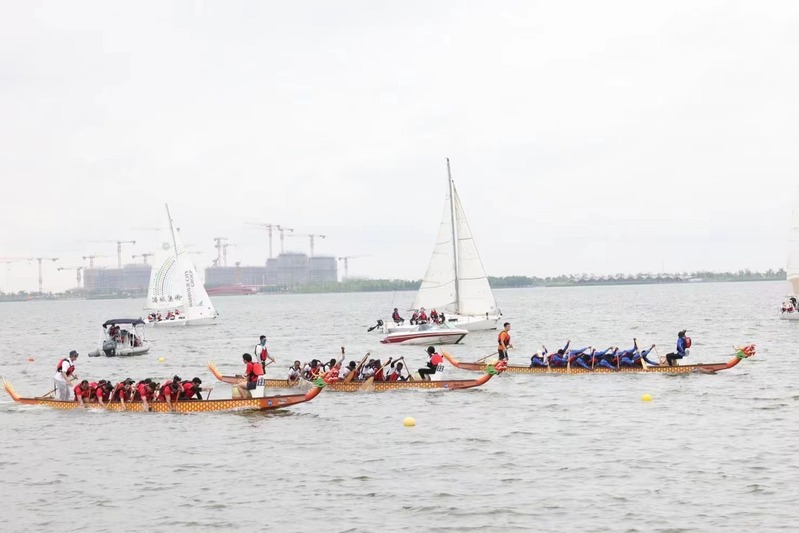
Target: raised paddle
(46, 395)
(371, 379)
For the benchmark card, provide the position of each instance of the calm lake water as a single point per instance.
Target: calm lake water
(547, 453)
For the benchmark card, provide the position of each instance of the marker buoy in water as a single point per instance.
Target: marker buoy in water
(409, 422)
(646, 397)
(30, 359)
(160, 359)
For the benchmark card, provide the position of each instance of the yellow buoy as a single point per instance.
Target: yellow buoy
(646, 397)
(409, 422)
(160, 359)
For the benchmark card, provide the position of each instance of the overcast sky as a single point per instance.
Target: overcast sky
(584, 136)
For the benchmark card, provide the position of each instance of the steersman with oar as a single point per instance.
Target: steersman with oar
(503, 342)
(64, 374)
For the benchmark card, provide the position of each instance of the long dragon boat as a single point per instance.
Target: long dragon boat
(181, 406)
(367, 385)
(743, 352)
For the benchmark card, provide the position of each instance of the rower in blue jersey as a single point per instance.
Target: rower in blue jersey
(576, 356)
(560, 358)
(609, 359)
(630, 357)
(538, 359)
(595, 356)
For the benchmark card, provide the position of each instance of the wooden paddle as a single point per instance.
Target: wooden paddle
(352, 374)
(371, 379)
(46, 395)
(487, 356)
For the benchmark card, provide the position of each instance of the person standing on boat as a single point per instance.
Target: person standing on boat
(65, 372)
(683, 343)
(434, 360)
(262, 353)
(503, 342)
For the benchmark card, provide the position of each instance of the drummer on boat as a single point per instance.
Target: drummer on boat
(683, 343)
(434, 360)
(251, 373)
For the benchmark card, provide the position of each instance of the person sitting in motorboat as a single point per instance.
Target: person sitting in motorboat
(433, 361)
(423, 319)
(415, 317)
(136, 341)
(295, 372)
(441, 318)
(434, 316)
(395, 316)
(83, 393)
(683, 343)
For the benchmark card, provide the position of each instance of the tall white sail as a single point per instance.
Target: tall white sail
(455, 282)
(475, 296)
(793, 251)
(164, 291)
(438, 286)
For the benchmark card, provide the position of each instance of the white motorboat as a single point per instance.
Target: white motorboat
(427, 334)
(176, 296)
(118, 342)
(456, 284)
(790, 307)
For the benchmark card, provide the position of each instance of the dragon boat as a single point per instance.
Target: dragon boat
(368, 384)
(264, 403)
(743, 352)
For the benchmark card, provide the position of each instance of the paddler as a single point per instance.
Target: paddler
(122, 392)
(347, 369)
(251, 373)
(170, 392)
(191, 390)
(503, 342)
(434, 359)
(83, 393)
(559, 358)
(102, 394)
(538, 360)
(144, 391)
(395, 374)
(262, 353)
(64, 373)
(295, 372)
(333, 369)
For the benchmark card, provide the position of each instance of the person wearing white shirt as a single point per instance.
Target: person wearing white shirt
(65, 372)
(262, 353)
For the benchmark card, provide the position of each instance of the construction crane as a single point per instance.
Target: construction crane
(346, 260)
(143, 256)
(269, 228)
(77, 273)
(282, 230)
(40, 259)
(91, 259)
(311, 237)
(119, 249)
(224, 252)
(219, 244)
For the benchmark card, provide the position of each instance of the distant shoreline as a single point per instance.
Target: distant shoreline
(507, 282)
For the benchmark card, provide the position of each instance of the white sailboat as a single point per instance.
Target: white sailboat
(456, 283)
(790, 309)
(176, 296)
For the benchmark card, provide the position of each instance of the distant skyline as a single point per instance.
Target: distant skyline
(584, 137)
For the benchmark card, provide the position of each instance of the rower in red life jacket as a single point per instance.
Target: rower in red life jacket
(170, 392)
(122, 392)
(251, 373)
(395, 374)
(83, 393)
(102, 394)
(379, 374)
(144, 391)
(191, 389)
(434, 359)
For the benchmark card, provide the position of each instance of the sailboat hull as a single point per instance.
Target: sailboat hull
(180, 322)
(453, 336)
(469, 323)
(789, 316)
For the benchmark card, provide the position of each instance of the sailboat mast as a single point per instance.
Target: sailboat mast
(454, 239)
(175, 248)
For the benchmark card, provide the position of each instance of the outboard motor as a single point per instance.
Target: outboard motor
(378, 325)
(110, 348)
